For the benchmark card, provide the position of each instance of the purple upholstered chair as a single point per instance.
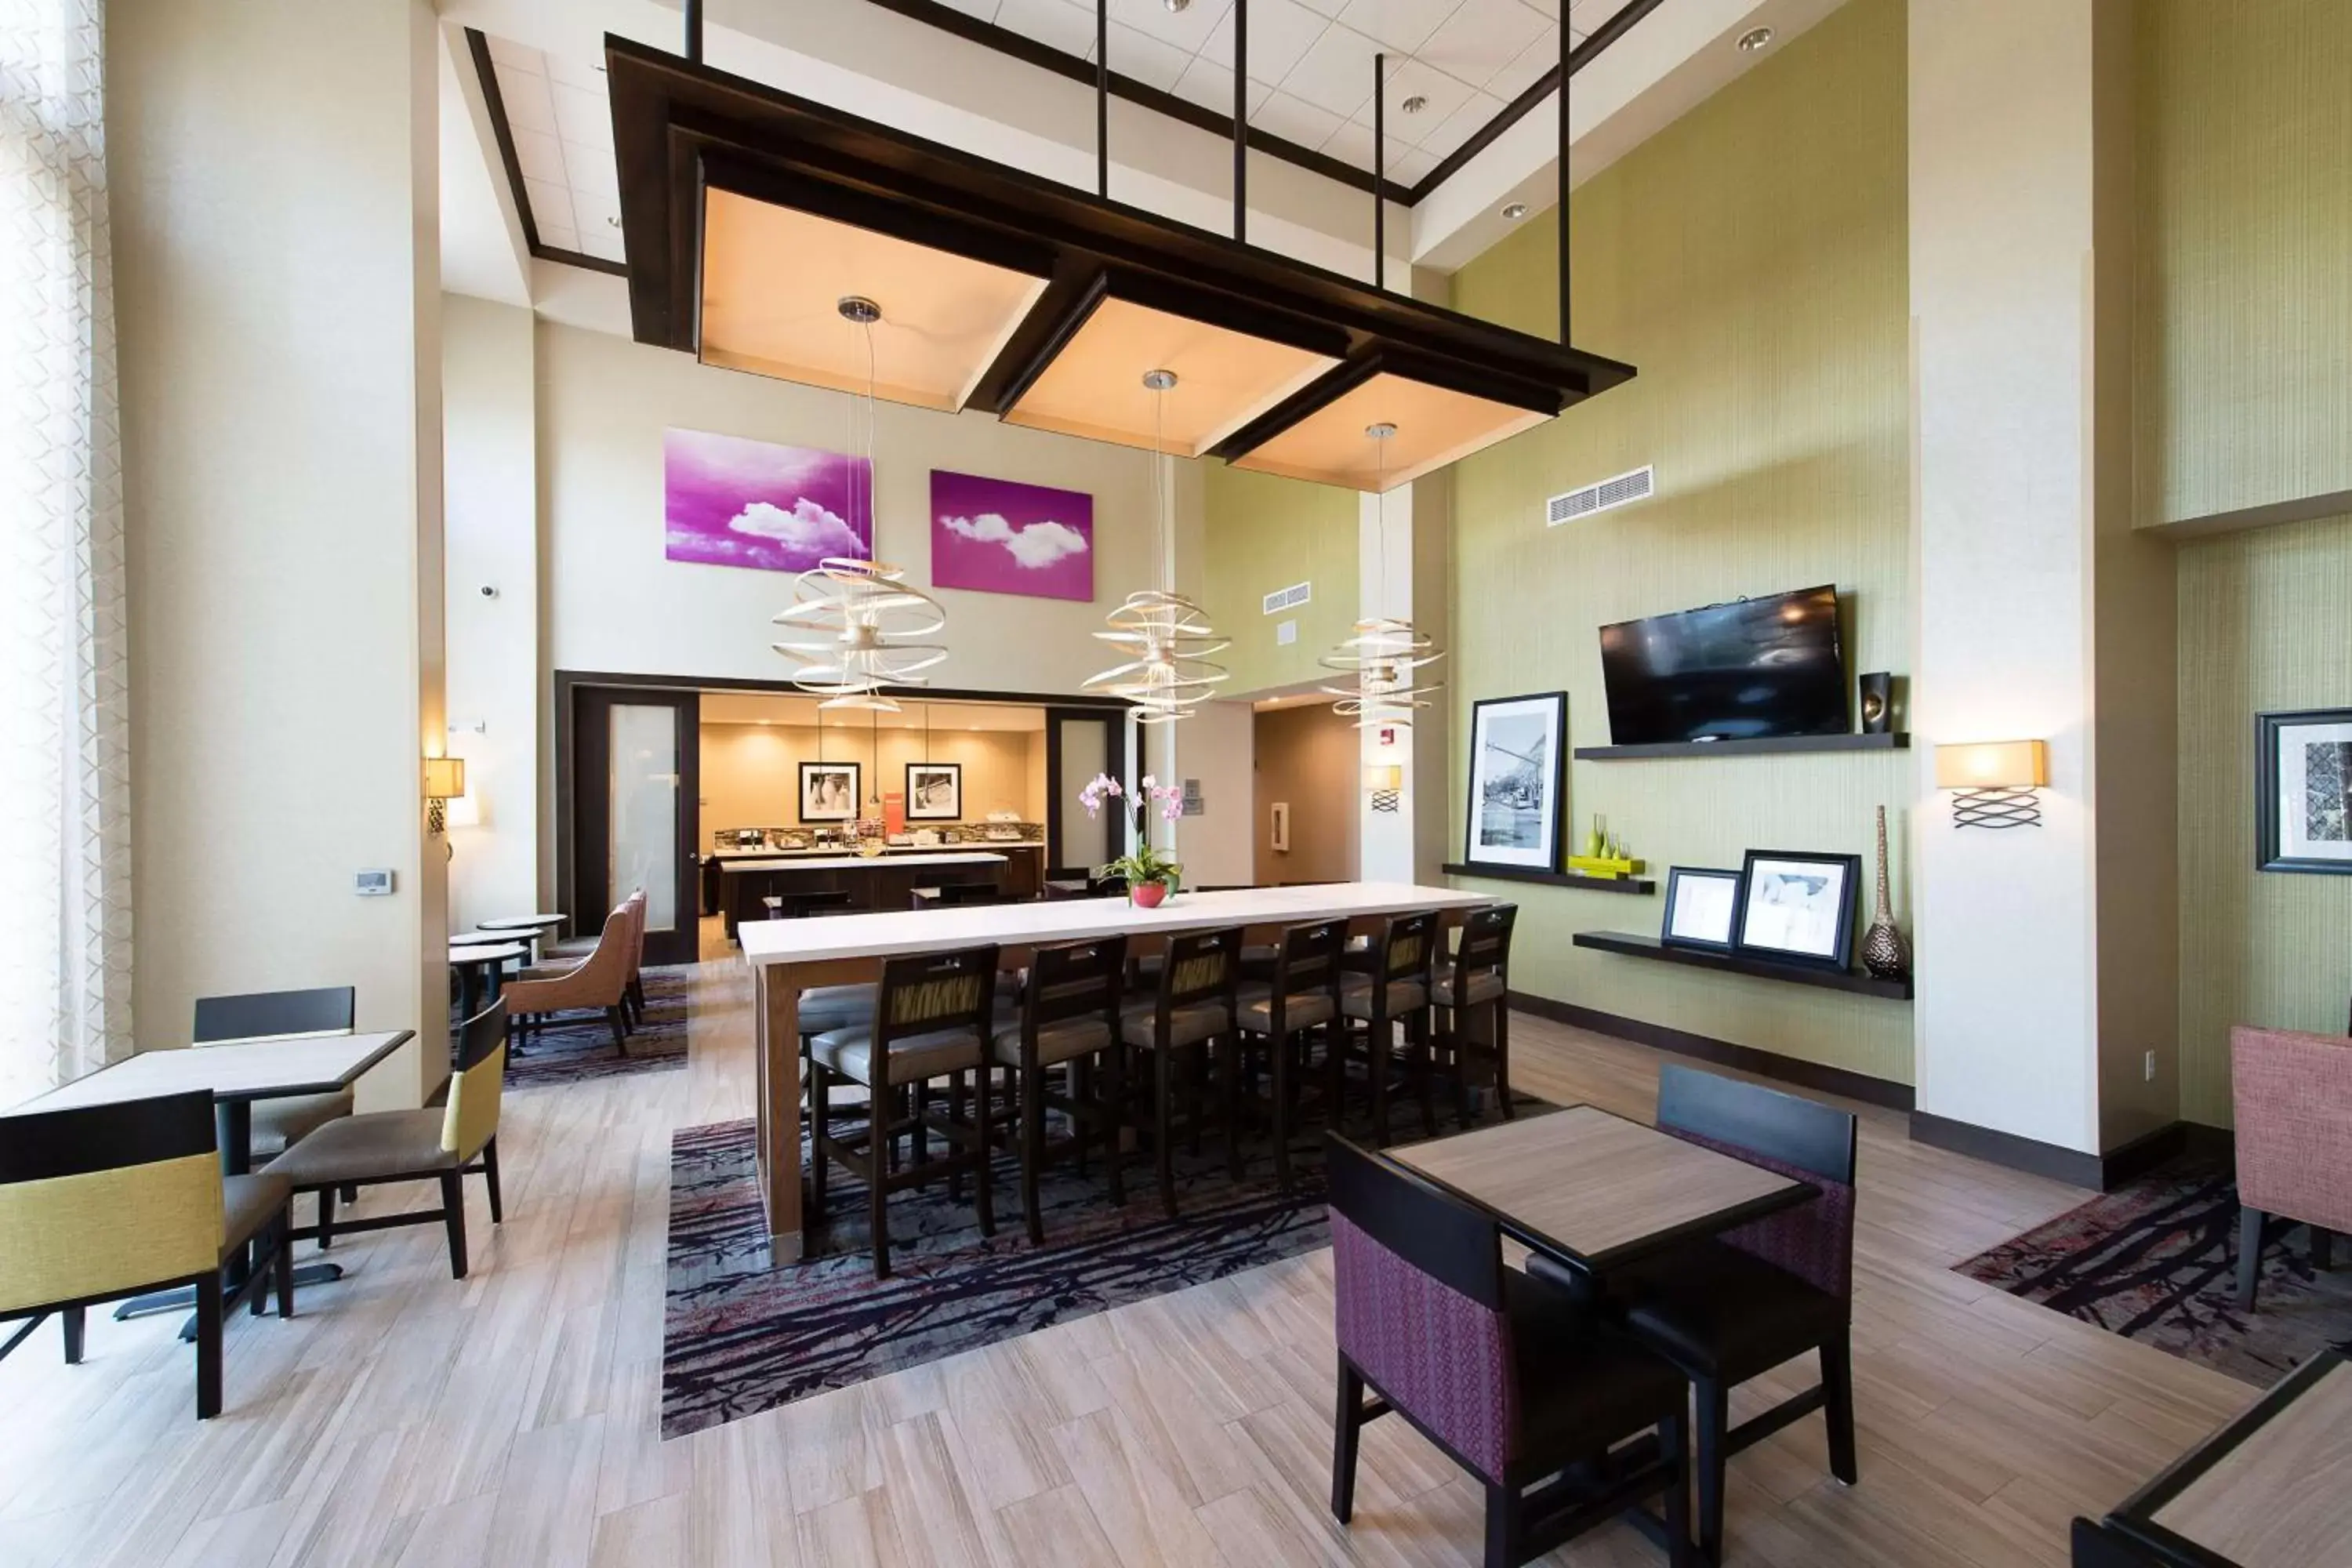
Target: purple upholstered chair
(2291, 1094)
(1514, 1378)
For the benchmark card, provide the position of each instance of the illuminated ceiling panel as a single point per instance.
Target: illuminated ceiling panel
(1434, 426)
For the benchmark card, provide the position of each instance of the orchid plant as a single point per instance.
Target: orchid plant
(1146, 865)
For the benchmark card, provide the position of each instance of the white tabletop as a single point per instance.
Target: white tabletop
(1074, 919)
(477, 952)
(233, 1070)
(523, 922)
(834, 862)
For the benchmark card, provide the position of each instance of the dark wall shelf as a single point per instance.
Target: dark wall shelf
(1556, 879)
(1861, 983)
(1893, 741)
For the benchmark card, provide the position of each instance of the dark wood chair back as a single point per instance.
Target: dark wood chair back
(1407, 946)
(958, 894)
(800, 906)
(1200, 966)
(925, 992)
(1311, 958)
(1485, 943)
(1072, 980)
(260, 1015)
(1436, 1233)
(1788, 1129)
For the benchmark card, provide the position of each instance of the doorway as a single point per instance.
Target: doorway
(635, 819)
(1081, 743)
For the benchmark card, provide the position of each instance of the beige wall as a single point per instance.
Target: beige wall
(1265, 532)
(276, 296)
(751, 773)
(1307, 756)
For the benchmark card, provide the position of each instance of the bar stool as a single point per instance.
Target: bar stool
(1068, 1017)
(1474, 987)
(1302, 996)
(1192, 1008)
(1396, 992)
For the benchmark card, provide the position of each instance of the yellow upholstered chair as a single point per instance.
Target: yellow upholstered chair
(105, 1201)
(446, 1145)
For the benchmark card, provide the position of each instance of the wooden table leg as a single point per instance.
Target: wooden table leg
(776, 1020)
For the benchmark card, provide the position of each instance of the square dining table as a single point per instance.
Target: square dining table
(1596, 1189)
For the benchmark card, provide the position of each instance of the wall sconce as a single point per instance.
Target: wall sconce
(1385, 780)
(445, 780)
(1995, 781)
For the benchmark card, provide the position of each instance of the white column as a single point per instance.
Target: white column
(1385, 587)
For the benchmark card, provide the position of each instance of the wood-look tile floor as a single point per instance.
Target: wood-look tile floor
(510, 1419)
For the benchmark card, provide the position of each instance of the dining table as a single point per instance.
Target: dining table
(481, 967)
(789, 957)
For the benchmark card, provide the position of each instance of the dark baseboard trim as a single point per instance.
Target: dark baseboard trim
(2100, 1172)
(1745, 1059)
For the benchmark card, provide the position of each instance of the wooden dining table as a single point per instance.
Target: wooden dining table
(788, 957)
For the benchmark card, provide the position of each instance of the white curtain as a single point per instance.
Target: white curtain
(65, 824)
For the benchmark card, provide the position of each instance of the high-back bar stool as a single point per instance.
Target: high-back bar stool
(1303, 995)
(1471, 992)
(1394, 993)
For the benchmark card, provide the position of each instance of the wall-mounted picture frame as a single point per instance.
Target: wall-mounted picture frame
(1519, 781)
(1798, 908)
(934, 791)
(1702, 907)
(2303, 791)
(829, 790)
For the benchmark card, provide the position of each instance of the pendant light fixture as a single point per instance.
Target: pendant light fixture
(1387, 653)
(1170, 675)
(858, 618)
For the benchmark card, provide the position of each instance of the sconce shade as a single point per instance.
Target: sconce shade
(1381, 777)
(445, 778)
(1993, 764)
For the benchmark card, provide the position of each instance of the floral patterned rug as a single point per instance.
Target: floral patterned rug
(2157, 1260)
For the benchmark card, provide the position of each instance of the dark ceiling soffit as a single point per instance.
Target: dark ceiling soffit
(1329, 388)
(485, 72)
(676, 124)
(1005, 41)
(1599, 39)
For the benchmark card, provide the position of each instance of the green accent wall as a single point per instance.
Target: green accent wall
(1260, 533)
(2245, 197)
(1751, 260)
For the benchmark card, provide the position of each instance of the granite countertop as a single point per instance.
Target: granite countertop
(812, 860)
(731, 855)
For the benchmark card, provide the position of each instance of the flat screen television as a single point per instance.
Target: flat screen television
(1750, 668)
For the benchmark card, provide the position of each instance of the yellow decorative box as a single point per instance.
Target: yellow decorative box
(1604, 866)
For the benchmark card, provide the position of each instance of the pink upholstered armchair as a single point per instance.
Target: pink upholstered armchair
(598, 985)
(2293, 1095)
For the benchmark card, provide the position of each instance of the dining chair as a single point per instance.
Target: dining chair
(280, 1123)
(933, 1019)
(445, 1145)
(1301, 996)
(1514, 1378)
(102, 1202)
(2291, 1097)
(1729, 1309)
(1191, 1008)
(973, 895)
(1390, 991)
(1473, 988)
(596, 984)
(1067, 1017)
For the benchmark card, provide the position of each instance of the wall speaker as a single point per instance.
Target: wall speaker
(1877, 704)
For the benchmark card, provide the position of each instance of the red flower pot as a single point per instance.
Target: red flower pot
(1146, 895)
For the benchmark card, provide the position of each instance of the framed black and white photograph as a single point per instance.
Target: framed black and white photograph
(829, 791)
(1797, 908)
(934, 791)
(1702, 907)
(2303, 791)
(1519, 781)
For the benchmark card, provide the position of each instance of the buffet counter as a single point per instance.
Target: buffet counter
(874, 882)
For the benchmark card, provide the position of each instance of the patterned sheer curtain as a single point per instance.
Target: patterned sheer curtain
(65, 827)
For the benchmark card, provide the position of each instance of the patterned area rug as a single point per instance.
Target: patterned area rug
(2157, 1261)
(740, 1336)
(577, 1046)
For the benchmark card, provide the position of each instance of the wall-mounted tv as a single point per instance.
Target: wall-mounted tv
(1738, 671)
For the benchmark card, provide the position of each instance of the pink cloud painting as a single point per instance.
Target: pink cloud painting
(996, 536)
(731, 501)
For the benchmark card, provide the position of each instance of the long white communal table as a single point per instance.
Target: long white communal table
(788, 957)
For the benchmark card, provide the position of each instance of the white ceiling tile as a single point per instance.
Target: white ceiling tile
(593, 171)
(1411, 78)
(1295, 119)
(551, 205)
(606, 245)
(1320, 7)
(558, 236)
(1529, 68)
(1403, 24)
(1280, 33)
(540, 154)
(1144, 57)
(1352, 143)
(985, 10)
(1187, 29)
(1055, 23)
(1481, 38)
(594, 213)
(528, 105)
(589, 74)
(1336, 73)
(1410, 164)
(1463, 123)
(1585, 15)
(516, 57)
(583, 116)
(1211, 86)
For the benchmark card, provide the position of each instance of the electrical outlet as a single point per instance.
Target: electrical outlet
(2147, 1067)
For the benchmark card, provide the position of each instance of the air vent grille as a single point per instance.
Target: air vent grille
(1622, 489)
(1288, 598)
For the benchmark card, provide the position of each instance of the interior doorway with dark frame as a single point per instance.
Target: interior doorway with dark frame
(631, 779)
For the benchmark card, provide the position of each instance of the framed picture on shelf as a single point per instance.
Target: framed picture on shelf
(829, 791)
(934, 791)
(2303, 791)
(1798, 908)
(1702, 908)
(1519, 781)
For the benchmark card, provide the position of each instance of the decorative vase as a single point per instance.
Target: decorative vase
(1146, 895)
(1596, 842)
(1884, 953)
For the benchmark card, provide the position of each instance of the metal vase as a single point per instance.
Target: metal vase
(1884, 952)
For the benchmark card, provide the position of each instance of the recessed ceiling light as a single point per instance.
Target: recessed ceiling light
(1515, 211)
(1414, 104)
(1178, 4)
(1754, 39)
